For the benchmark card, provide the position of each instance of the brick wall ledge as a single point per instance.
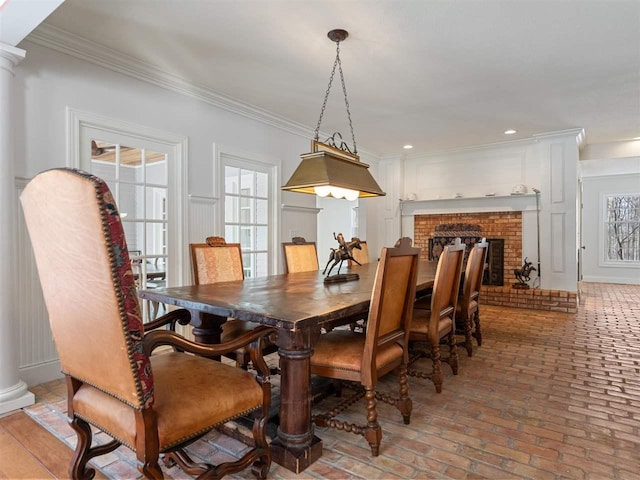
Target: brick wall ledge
(533, 298)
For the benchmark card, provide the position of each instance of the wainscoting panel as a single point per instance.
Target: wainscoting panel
(202, 218)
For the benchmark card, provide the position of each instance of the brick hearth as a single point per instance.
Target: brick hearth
(506, 226)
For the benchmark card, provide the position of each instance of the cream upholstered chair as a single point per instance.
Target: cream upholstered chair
(363, 358)
(300, 256)
(468, 309)
(438, 323)
(151, 403)
(217, 261)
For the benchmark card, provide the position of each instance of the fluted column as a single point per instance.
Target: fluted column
(13, 391)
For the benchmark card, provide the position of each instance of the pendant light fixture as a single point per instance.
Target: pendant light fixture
(332, 168)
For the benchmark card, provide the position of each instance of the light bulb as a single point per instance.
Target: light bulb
(322, 190)
(351, 194)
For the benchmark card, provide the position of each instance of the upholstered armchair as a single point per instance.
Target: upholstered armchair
(152, 400)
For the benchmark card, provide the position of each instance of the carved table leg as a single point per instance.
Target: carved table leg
(295, 447)
(206, 327)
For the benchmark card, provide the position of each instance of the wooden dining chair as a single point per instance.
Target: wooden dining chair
(153, 402)
(217, 261)
(437, 323)
(300, 256)
(362, 358)
(468, 308)
(360, 255)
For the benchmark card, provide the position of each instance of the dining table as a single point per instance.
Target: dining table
(298, 306)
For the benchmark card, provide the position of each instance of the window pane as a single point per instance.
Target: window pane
(231, 176)
(232, 233)
(156, 168)
(247, 182)
(262, 185)
(133, 232)
(246, 210)
(155, 239)
(262, 238)
(262, 264)
(622, 228)
(156, 203)
(262, 211)
(247, 263)
(246, 238)
(231, 209)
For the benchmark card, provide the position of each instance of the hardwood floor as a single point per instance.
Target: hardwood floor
(30, 451)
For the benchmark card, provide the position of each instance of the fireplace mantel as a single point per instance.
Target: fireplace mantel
(495, 203)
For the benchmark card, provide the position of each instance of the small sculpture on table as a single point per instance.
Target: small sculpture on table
(523, 274)
(339, 255)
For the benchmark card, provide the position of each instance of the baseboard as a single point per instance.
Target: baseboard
(618, 280)
(41, 372)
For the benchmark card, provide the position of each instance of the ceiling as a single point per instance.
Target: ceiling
(435, 74)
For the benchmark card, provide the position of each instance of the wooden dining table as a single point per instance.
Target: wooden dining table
(298, 305)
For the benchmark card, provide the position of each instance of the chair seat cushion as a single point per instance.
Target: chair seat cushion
(473, 307)
(192, 395)
(342, 349)
(420, 325)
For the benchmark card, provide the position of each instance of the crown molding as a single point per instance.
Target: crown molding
(62, 41)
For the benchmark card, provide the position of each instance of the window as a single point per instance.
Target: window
(622, 228)
(246, 217)
(138, 180)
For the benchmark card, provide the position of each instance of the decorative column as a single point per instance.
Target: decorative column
(13, 391)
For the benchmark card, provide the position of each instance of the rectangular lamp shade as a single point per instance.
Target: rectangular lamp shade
(325, 168)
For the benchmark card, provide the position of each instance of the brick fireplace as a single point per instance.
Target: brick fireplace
(508, 227)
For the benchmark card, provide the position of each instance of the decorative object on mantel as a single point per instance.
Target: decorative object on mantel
(331, 168)
(339, 255)
(523, 274)
(519, 189)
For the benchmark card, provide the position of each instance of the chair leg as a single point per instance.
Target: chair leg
(436, 377)
(77, 468)
(453, 352)
(467, 336)
(373, 431)
(404, 402)
(478, 332)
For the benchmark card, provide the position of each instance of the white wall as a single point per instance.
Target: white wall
(600, 178)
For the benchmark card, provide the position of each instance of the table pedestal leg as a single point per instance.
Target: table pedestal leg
(295, 447)
(206, 327)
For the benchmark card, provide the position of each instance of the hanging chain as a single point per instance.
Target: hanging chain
(336, 63)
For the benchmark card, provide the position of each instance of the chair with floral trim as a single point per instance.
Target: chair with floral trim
(152, 401)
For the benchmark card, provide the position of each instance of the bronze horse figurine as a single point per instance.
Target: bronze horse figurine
(342, 253)
(523, 274)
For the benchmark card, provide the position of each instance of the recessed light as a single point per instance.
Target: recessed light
(511, 131)
(408, 147)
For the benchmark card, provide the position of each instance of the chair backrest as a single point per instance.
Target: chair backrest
(300, 256)
(473, 273)
(362, 254)
(221, 262)
(446, 286)
(391, 307)
(88, 285)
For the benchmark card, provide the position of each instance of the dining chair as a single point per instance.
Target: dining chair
(360, 255)
(468, 308)
(153, 401)
(362, 358)
(433, 325)
(300, 256)
(217, 261)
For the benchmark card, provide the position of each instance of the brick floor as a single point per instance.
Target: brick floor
(547, 396)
